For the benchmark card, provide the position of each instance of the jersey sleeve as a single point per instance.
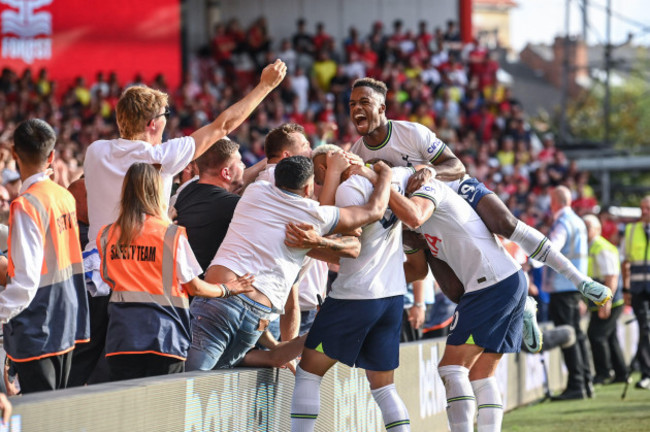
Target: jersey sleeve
(173, 155)
(431, 190)
(401, 176)
(431, 147)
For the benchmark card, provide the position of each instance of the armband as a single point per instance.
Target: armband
(420, 305)
(626, 290)
(226, 291)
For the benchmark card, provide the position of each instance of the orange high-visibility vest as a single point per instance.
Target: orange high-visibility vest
(148, 308)
(57, 317)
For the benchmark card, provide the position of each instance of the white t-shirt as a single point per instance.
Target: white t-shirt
(254, 242)
(406, 144)
(105, 166)
(378, 271)
(314, 280)
(268, 174)
(456, 234)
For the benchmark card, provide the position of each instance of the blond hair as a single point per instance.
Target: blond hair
(142, 194)
(137, 106)
(323, 149)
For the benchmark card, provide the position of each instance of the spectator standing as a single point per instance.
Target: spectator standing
(569, 235)
(636, 284)
(205, 207)
(44, 305)
(604, 266)
(141, 117)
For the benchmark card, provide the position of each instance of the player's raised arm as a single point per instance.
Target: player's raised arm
(230, 119)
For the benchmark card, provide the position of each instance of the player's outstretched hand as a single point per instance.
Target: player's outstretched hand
(273, 74)
(302, 236)
(418, 179)
(242, 284)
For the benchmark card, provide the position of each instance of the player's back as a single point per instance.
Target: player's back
(456, 234)
(254, 242)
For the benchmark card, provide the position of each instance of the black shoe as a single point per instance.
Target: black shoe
(644, 384)
(599, 380)
(603, 379)
(589, 390)
(619, 379)
(569, 395)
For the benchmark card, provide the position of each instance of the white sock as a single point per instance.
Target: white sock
(305, 403)
(396, 417)
(540, 248)
(461, 405)
(490, 406)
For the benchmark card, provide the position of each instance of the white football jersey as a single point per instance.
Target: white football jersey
(456, 234)
(254, 242)
(407, 144)
(378, 271)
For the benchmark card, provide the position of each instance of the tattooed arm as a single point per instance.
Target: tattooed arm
(328, 249)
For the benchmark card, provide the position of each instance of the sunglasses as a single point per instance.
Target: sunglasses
(167, 113)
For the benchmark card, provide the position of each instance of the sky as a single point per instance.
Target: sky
(539, 21)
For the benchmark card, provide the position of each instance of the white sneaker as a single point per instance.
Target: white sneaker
(532, 333)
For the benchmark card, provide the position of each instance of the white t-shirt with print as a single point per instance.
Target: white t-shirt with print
(254, 242)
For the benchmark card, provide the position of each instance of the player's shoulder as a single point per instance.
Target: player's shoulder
(411, 127)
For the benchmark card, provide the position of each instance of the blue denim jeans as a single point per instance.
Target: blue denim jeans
(223, 331)
(306, 320)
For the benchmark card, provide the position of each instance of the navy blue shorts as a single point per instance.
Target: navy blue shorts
(472, 190)
(492, 318)
(359, 333)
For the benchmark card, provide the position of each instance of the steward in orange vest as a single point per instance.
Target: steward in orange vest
(150, 268)
(148, 309)
(45, 284)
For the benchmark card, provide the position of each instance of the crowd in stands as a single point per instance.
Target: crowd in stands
(432, 78)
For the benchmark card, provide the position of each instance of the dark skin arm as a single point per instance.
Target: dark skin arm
(448, 167)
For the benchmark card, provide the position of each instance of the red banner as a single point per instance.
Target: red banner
(82, 37)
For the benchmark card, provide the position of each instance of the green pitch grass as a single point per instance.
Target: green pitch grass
(606, 412)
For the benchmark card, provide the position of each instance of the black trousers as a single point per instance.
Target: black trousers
(605, 346)
(130, 366)
(641, 305)
(88, 362)
(564, 308)
(49, 373)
